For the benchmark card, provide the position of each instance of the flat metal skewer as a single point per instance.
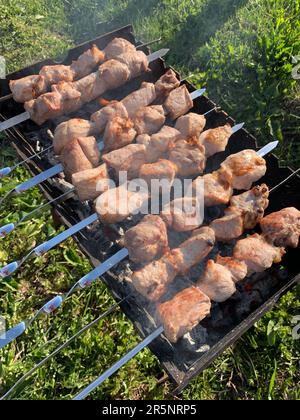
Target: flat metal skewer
(125, 359)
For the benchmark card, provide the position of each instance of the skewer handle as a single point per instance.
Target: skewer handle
(9, 269)
(46, 246)
(32, 182)
(5, 171)
(6, 229)
(52, 305)
(10, 335)
(103, 268)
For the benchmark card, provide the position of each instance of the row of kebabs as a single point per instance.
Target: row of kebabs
(58, 90)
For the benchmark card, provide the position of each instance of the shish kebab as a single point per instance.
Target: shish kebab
(134, 106)
(32, 86)
(78, 148)
(102, 207)
(67, 97)
(82, 153)
(148, 240)
(190, 306)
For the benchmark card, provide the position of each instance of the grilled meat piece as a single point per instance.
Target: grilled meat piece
(183, 312)
(118, 133)
(56, 74)
(68, 97)
(69, 130)
(147, 240)
(117, 204)
(149, 119)
(28, 88)
(80, 154)
(136, 62)
(105, 114)
(53, 104)
(191, 124)
(158, 144)
(217, 188)
(139, 98)
(237, 268)
(118, 46)
(188, 155)
(161, 170)
(183, 214)
(228, 227)
(178, 102)
(91, 183)
(282, 228)
(257, 253)
(129, 158)
(196, 248)
(215, 140)
(153, 279)
(166, 83)
(216, 282)
(250, 204)
(86, 62)
(244, 212)
(245, 168)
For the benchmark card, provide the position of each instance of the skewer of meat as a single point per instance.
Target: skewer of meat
(32, 86)
(123, 203)
(67, 97)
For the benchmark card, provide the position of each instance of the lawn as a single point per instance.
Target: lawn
(241, 50)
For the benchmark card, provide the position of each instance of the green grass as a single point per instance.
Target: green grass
(241, 50)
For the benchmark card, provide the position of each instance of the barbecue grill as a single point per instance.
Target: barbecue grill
(229, 320)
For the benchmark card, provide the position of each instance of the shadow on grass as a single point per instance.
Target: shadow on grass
(135, 10)
(199, 28)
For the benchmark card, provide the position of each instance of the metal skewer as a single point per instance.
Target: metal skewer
(9, 169)
(6, 97)
(56, 169)
(11, 122)
(125, 359)
(48, 245)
